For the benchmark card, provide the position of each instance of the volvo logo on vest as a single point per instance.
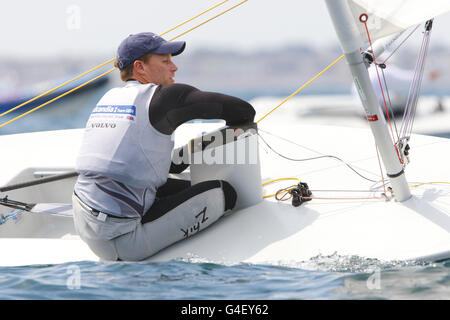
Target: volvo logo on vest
(103, 125)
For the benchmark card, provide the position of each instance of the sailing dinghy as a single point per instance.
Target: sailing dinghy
(323, 191)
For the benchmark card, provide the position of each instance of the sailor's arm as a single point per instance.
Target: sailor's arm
(175, 104)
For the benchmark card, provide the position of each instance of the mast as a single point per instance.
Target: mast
(348, 36)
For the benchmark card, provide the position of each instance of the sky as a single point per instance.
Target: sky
(84, 27)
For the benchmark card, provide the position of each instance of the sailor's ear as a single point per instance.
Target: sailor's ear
(138, 65)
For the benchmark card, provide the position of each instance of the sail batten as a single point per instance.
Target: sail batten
(386, 17)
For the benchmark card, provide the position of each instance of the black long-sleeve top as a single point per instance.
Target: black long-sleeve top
(175, 104)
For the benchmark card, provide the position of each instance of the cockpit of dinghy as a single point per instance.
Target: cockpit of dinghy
(42, 210)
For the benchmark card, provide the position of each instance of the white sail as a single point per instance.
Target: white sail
(387, 17)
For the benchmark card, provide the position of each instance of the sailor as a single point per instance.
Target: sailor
(125, 207)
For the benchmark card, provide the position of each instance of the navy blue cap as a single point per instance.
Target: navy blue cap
(137, 45)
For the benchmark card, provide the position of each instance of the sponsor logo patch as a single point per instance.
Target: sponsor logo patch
(104, 125)
(125, 110)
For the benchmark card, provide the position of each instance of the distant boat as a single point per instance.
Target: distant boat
(11, 99)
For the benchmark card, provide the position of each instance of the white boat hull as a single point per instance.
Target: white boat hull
(271, 231)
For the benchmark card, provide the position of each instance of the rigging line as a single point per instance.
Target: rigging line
(381, 168)
(204, 22)
(384, 182)
(289, 141)
(279, 179)
(287, 190)
(56, 98)
(389, 101)
(103, 64)
(284, 189)
(316, 190)
(381, 87)
(423, 54)
(361, 198)
(342, 190)
(414, 89)
(302, 87)
(312, 150)
(431, 182)
(315, 158)
(403, 41)
(56, 88)
(113, 69)
(189, 20)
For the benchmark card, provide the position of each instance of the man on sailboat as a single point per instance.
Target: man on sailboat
(125, 207)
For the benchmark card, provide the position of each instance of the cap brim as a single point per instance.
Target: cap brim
(173, 48)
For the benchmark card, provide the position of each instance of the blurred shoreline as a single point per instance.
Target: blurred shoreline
(270, 72)
(249, 76)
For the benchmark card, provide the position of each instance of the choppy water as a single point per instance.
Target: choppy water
(331, 277)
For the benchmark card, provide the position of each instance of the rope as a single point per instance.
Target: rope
(56, 88)
(315, 158)
(281, 195)
(194, 17)
(113, 59)
(302, 87)
(344, 198)
(403, 41)
(431, 182)
(107, 62)
(216, 16)
(389, 101)
(413, 97)
(56, 98)
(363, 19)
(279, 179)
(275, 180)
(381, 168)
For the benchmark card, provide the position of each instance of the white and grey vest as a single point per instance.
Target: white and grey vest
(123, 159)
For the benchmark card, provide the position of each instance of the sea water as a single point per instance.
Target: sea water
(323, 277)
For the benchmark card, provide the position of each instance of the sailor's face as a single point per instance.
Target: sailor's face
(160, 69)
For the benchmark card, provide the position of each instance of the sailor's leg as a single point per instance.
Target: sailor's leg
(99, 234)
(171, 187)
(177, 217)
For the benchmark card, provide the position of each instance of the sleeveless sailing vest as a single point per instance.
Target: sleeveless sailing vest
(123, 159)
